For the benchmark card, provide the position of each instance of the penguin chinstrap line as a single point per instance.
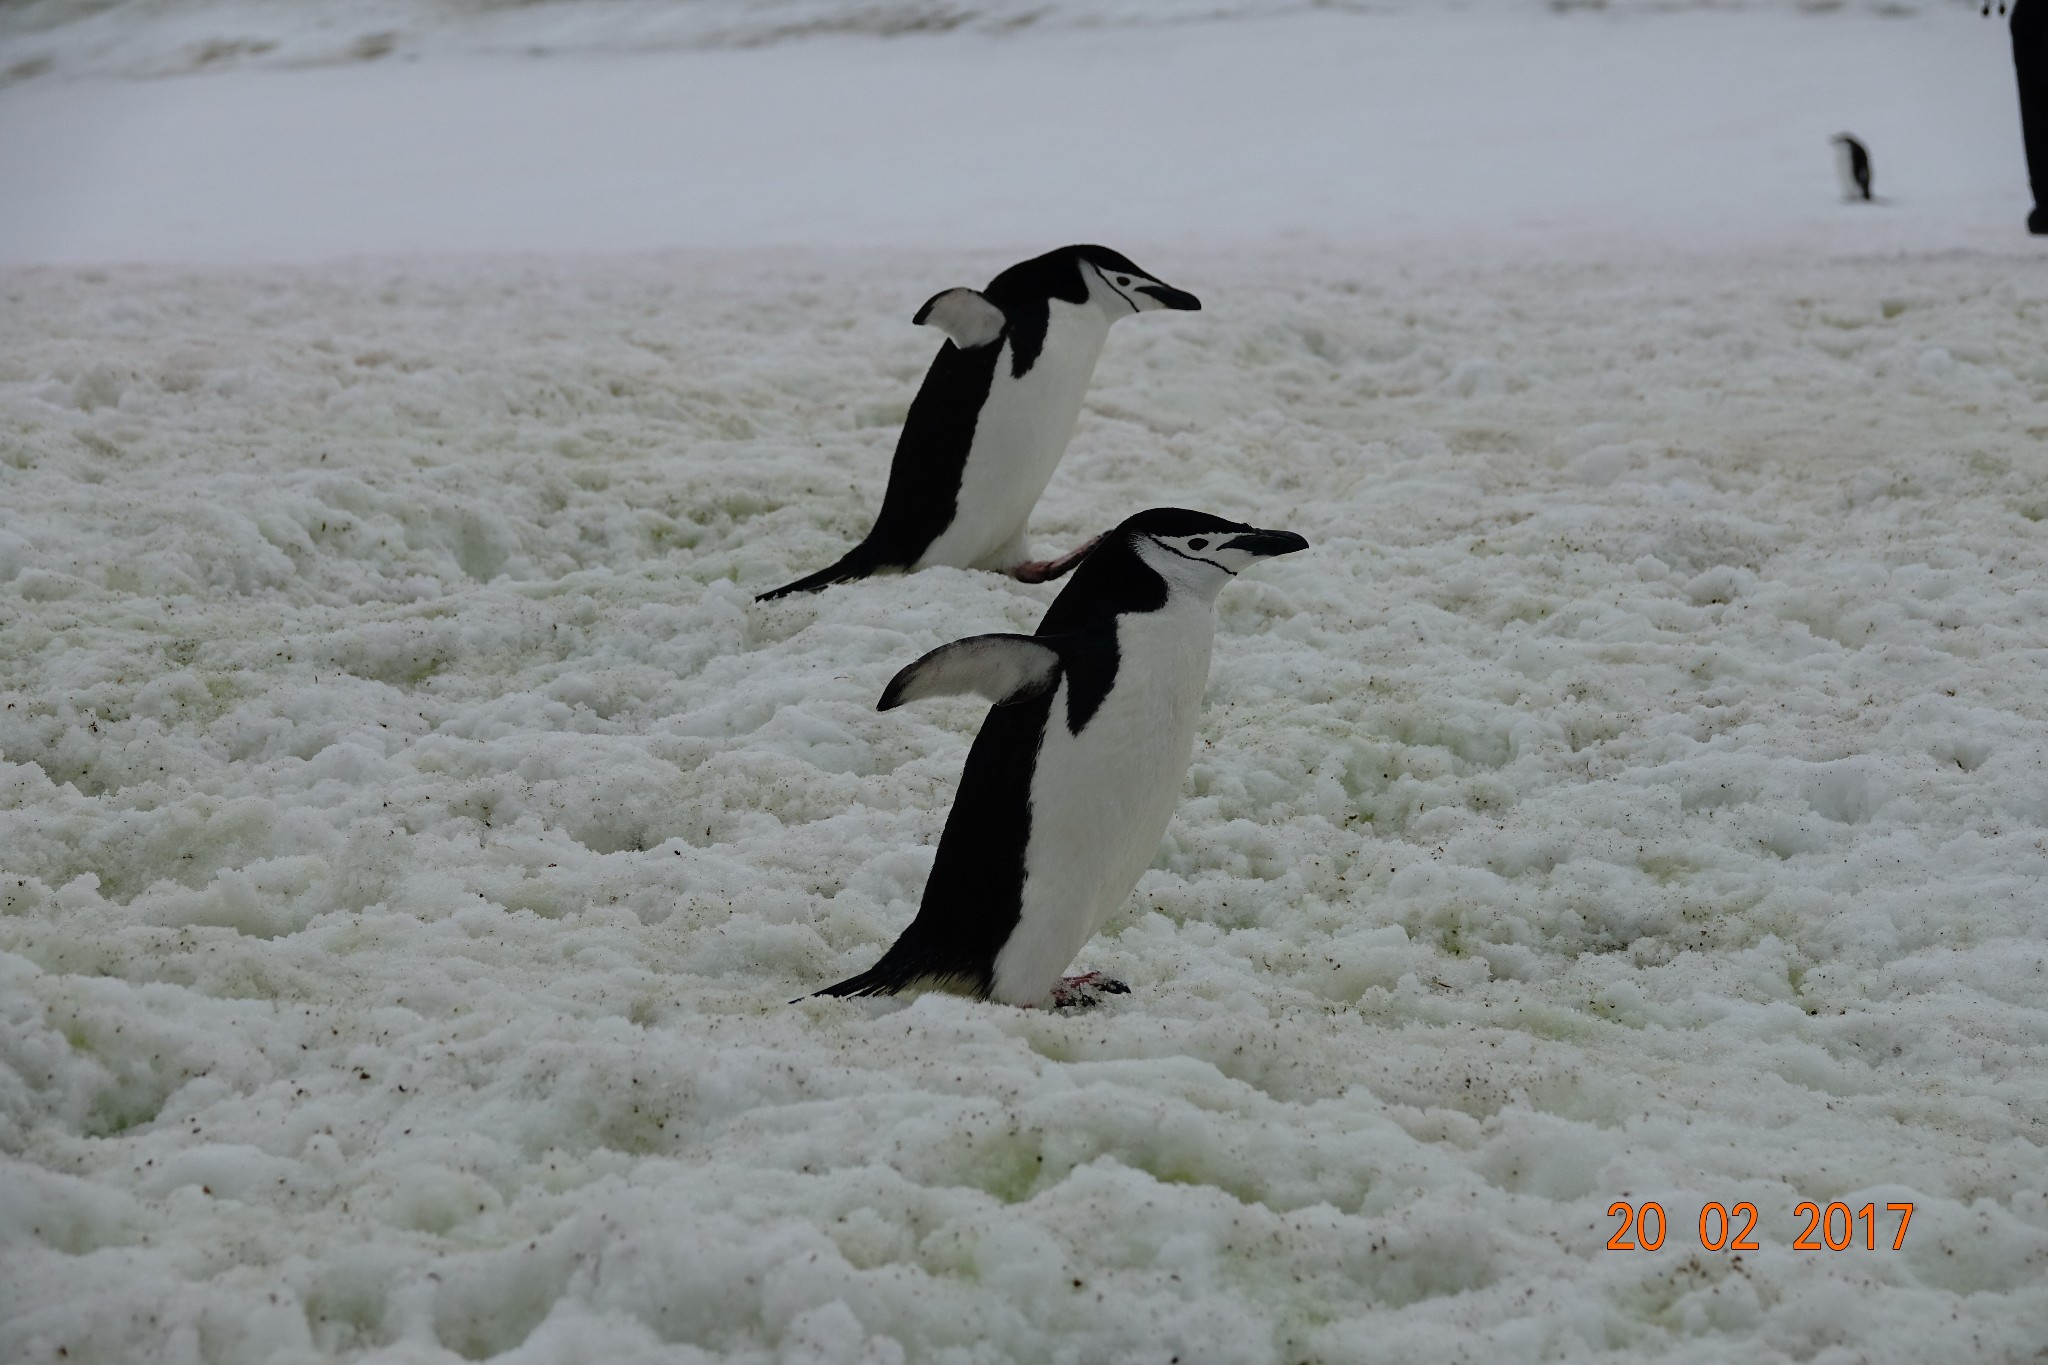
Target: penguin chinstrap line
(995, 413)
(1078, 766)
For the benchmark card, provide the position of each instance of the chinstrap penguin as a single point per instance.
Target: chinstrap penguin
(1852, 162)
(1069, 786)
(995, 413)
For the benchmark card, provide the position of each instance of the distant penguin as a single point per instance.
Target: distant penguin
(1070, 784)
(2030, 67)
(995, 414)
(1852, 160)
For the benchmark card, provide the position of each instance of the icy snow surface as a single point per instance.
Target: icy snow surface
(411, 830)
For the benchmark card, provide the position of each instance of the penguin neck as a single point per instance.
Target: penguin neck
(1066, 336)
(1108, 583)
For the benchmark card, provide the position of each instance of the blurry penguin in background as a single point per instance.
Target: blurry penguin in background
(2030, 64)
(1852, 159)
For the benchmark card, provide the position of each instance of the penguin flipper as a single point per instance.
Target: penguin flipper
(966, 315)
(858, 562)
(1002, 668)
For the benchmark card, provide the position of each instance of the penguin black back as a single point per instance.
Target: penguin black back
(975, 895)
(923, 490)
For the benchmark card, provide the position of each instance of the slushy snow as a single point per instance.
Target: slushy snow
(411, 830)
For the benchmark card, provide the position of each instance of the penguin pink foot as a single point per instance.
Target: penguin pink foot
(1046, 570)
(1086, 991)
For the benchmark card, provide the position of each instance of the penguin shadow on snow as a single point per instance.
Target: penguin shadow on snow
(994, 415)
(1075, 773)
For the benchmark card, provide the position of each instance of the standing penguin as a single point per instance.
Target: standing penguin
(1078, 766)
(995, 414)
(1852, 161)
(2030, 64)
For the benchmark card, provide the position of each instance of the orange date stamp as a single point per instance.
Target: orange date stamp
(1724, 1228)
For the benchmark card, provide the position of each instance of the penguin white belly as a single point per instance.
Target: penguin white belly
(1021, 433)
(1101, 800)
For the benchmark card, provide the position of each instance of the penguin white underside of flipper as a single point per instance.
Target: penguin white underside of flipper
(966, 315)
(1002, 668)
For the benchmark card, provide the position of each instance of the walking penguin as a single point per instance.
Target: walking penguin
(995, 414)
(1070, 784)
(1852, 160)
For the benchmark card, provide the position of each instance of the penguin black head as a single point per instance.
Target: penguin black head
(1166, 552)
(1157, 556)
(1198, 549)
(1084, 274)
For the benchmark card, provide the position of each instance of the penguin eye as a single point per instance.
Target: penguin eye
(1198, 544)
(1123, 279)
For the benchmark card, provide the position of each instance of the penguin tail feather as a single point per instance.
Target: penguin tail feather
(858, 562)
(875, 981)
(886, 978)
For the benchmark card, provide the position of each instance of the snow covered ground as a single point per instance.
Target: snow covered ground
(411, 829)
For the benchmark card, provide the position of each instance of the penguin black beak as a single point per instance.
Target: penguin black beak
(1170, 297)
(1266, 543)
